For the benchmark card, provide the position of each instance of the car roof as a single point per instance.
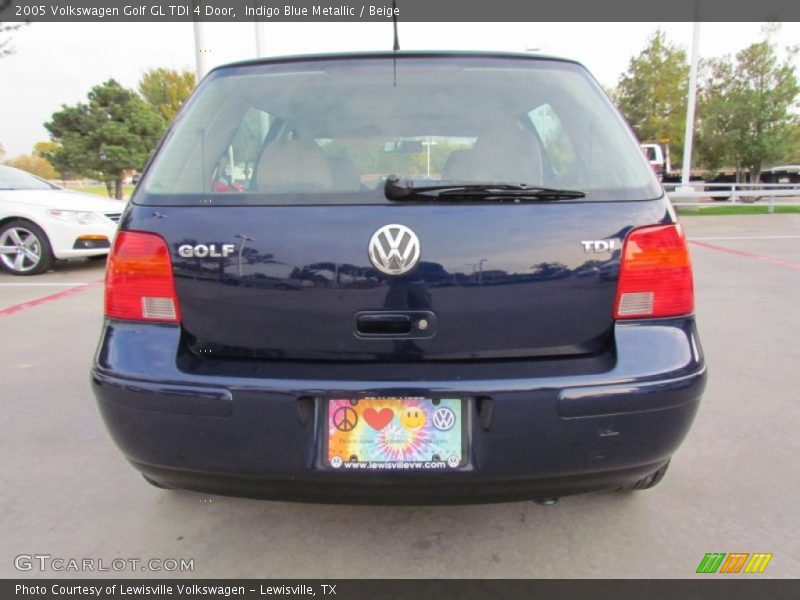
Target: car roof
(391, 55)
(784, 168)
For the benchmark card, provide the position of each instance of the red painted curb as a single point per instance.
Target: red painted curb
(761, 257)
(57, 296)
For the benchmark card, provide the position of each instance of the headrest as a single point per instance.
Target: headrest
(507, 155)
(289, 166)
(458, 166)
(344, 175)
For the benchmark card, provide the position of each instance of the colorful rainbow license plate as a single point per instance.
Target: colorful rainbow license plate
(396, 434)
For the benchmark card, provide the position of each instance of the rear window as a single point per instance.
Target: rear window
(330, 131)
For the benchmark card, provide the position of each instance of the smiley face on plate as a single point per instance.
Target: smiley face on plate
(412, 417)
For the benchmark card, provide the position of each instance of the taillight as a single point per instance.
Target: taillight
(655, 274)
(139, 283)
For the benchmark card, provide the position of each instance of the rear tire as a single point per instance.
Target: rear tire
(155, 483)
(24, 248)
(649, 481)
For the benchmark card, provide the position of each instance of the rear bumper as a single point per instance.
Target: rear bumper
(539, 428)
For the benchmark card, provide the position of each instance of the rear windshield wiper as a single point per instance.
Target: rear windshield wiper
(400, 191)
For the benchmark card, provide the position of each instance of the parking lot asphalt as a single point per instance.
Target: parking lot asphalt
(732, 486)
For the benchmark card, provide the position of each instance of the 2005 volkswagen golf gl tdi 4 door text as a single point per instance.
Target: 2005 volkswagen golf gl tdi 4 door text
(411, 278)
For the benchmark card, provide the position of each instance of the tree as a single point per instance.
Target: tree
(793, 156)
(652, 92)
(115, 131)
(2, 153)
(747, 107)
(165, 90)
(715, 114)
(34, 164)
(5, 36)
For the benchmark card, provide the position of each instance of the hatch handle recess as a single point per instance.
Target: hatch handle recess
(383, 324)
(395, 324)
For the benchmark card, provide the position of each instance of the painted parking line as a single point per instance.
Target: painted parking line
(51, 298)
(37, 284)
(761, 257)
(750, 237)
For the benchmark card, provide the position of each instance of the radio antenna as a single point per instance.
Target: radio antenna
(396, 45)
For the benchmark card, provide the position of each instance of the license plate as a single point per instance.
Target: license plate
(396, 434)
(783, 180)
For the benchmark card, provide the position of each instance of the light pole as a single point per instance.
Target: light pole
(480, 270)
(260, 50)
(690, 107)
(429, 143)
(245, 239)
(200, 50)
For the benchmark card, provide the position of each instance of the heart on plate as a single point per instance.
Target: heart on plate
(378, 419)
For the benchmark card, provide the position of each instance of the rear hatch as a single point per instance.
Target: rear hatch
(503, 281)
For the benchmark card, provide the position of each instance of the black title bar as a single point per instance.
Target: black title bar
(705, 587)
(407, 10)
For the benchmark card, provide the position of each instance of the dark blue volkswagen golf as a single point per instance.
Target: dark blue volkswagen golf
(399, 278)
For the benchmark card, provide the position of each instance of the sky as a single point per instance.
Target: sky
(57, 63)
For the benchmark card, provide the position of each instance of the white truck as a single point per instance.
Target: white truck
(655, 156)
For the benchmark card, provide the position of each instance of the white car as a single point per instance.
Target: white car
(41, 222)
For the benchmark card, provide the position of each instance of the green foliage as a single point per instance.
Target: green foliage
(372, 160)
(793, 155)
(115, 131)
(101, 190)
(715, 116)
(652, 93)
(746, 116)
(45, 149)
(34, 164)
(737, 209)
(165, 90)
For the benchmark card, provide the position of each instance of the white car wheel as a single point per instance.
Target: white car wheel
(24, 249)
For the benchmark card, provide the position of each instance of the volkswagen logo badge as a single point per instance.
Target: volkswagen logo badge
(394, 249)
(444, 419)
